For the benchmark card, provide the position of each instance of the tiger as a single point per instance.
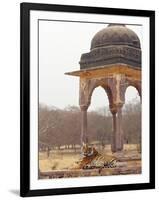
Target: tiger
(91, 159)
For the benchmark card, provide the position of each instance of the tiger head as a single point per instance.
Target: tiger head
(88, 150)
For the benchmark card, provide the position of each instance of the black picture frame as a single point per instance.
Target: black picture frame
(25, 9)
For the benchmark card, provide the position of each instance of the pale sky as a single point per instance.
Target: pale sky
(60, 47)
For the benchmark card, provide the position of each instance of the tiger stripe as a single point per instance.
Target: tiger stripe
(93, 159)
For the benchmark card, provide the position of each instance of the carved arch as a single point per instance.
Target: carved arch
(103, 84)
(134, 83)
(134, 86)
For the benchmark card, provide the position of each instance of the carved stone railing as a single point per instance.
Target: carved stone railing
(110, 55)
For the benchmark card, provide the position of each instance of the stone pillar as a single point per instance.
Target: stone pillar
(119, 130)
(113, 143)
(139, 91)
(84, 134)
(117, 135)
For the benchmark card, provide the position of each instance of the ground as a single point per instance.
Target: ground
(61, 163)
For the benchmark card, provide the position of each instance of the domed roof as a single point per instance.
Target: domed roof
(114, 44)
(115, 34)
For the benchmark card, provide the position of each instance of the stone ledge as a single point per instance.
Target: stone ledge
(90, 172)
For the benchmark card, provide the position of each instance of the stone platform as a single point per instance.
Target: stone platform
(123, 168)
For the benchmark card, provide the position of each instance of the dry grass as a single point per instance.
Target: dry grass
(57, 161)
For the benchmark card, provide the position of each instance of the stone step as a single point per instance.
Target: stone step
(91, 172)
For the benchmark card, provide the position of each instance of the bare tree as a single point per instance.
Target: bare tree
(59, 127)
